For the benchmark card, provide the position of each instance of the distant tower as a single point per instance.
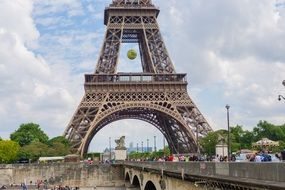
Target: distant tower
(131, 146)
(158, 95)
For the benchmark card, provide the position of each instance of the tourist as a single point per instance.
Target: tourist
(175, 159)
(283, 155)
(217, 158)
(250, 157)
(170, 158)
(233, 158)
(278, 156)
(265, 157)
(258, 157)
(181, 158)
(187, 159)
(24, 187)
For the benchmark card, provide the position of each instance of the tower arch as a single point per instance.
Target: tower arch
(165, 121)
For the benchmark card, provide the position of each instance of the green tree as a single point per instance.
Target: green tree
(243, 139)
(8, 151)
(58, 149)
(236, 133)
(283, 128)
(59, 139)
(28, 133)
(279, 148)
(58, 146)
(209, 143)
(150, 155)
(166, 151)
(268, 130)
(34, 150)
(246, 140)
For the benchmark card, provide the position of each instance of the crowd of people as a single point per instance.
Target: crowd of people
(261, 156)
(40, 185)
(171, 158)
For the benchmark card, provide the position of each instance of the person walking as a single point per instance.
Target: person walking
(283, 155)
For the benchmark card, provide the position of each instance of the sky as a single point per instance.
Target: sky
(232, 51)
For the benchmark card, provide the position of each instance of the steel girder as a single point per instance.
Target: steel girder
(175, 134)
(172, 112)
(142, 29)
(131, 3)
(157, 96)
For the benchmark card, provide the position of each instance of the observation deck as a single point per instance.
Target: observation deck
(132, 81)
(135, 78)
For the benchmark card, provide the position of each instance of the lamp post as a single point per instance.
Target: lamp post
(147, 145)
(228, 121)
(142, 146)
(137, 147)
(197, 139)
(280, 97)
(154, 139)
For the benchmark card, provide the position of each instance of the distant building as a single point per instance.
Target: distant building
(139, 149)
(106, 155)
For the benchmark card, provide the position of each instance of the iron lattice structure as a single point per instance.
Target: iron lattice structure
(158, 95)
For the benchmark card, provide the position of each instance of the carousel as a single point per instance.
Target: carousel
(265, 143)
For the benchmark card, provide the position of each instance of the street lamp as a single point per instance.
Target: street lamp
(197, 139)
(142, 146)
(147, 145)
(137, 147)
(228, 120)
(154, 137)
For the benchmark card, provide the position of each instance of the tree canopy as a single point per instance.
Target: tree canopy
(209, 143)
(30, 142)
(28, 133)
(59, 139)
(150, 155)
(243, 139)
(33, 151)
(57, 146)
(8, 151)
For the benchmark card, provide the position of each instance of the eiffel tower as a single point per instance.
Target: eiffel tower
(158, 95)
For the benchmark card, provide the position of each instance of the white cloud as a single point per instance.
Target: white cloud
(43, 7)
(31, 90)
(237, 46)
(15, 19)
(49, 21)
